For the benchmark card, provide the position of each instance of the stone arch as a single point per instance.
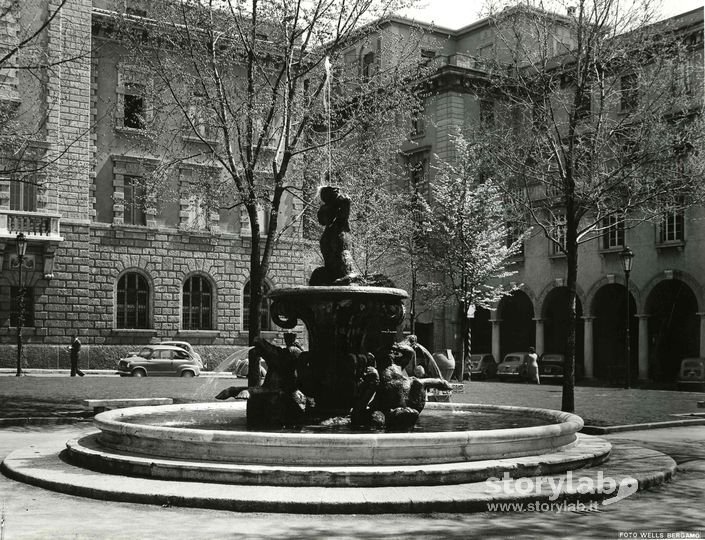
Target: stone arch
(673, 325)
(556, 284)
(685, 277)
(589, 303)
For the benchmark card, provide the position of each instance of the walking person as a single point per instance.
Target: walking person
(74, 349)
(532, 366)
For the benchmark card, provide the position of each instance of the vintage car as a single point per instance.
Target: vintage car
(480, 366)
(551, 367)
(513, 366)
(692, 374)
(186, 346)
(160, 360)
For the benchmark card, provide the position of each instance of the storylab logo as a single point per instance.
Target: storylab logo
(564, 485)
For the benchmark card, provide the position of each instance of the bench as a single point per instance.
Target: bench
(100, 405)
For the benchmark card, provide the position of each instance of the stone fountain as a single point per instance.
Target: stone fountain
(336, 428)
(354, 365)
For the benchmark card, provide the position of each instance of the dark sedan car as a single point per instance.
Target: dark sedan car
(551, 367)
(160, 360)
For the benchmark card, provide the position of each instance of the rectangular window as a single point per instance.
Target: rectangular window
(418, 123)
(487, 113)
(514, 234)
(23, 195)
(629, 92)
(134, 109)
(613, 236)
(28, 311)
(558, 232)
(134, 201)
(584, 105)
(672, 227)
(417, 167)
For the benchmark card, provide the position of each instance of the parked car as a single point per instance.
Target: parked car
(551, 367)
(160, 360)
(692, 374)
(187, 347)
(480, 366)
(513, 366)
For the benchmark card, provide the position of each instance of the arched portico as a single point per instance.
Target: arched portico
(515, 324)
(673, 322)
(609, 332)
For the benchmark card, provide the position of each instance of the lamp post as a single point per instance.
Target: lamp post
(21, 251)
(627, 256)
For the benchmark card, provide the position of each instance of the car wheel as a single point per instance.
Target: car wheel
(188, 374)
(139, 373)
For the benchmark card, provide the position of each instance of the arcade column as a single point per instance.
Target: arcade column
(588, 358)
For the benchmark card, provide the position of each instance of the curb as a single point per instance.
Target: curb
(43, 420)
(604, 430)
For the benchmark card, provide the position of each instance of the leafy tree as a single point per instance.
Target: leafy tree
(468, 238)
(606, 127)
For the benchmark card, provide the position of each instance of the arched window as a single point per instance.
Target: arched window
(197, 304)
(265, 319)
(133, 301)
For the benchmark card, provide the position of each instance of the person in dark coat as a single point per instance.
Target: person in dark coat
(74, 349)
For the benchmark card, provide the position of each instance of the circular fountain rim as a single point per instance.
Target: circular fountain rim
(564, 423)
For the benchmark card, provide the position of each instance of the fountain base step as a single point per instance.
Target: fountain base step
(87, 452)
(43, 466)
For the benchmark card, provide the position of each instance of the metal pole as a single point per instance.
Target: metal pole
(628, 344)
(20, 317)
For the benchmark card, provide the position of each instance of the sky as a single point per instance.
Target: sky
(454, 14)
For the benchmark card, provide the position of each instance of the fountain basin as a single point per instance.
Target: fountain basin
(120, 434)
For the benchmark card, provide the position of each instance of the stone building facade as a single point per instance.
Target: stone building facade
(99, 263)
(666, 290)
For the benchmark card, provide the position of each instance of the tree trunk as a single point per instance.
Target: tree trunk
(568, 400)
(256, 282)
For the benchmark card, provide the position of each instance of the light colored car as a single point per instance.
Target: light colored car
(692, 374)
(186, 346)
(513, 366)
(480, 366)
(160, 360)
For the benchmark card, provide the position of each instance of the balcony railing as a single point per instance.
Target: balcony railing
(35, 225)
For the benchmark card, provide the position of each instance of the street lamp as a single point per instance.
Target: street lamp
(627, 256)
(21, 251)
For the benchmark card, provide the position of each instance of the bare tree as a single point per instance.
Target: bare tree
(606, 127)
(252, 82)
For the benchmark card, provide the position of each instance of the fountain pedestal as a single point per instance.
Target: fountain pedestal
(345, 324)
